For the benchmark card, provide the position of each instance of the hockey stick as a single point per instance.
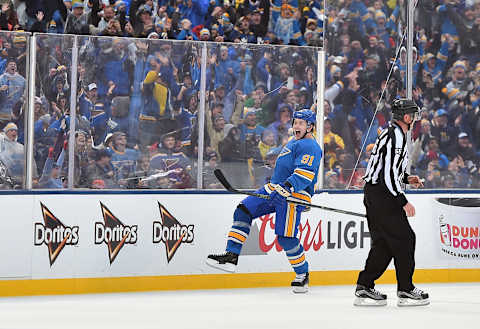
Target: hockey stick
(221, 178)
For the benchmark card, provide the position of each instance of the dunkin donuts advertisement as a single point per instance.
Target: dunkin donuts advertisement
(458, 221)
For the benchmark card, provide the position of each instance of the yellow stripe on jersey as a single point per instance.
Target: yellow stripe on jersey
(305, 174)
(237, 236)
(291, 215)
(301, 197)
(452, 92)
(298, 260)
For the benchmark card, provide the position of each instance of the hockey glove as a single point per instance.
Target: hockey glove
(279, 196)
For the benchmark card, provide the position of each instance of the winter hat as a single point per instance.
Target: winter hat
(211, 155)
(77, 5)
(428, 56)
(204, 31)
(92, 86)
(459, 64)
(379, 14)
(10, 126)
(462, 135)
(247, 111)
(118, 4)
(440, 112)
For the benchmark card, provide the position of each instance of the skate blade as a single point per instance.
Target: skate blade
(359, 301)
(230, 268)
(412, 302)
(300, 290)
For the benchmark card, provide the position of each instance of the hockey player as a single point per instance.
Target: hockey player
(295, 174)
(387, 212)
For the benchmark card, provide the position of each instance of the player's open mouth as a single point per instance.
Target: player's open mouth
(298, 133)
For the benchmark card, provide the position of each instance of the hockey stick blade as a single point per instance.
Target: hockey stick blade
(221, 178)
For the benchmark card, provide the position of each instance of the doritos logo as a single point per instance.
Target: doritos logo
(54, 234)
(114, 233)
(171, 232)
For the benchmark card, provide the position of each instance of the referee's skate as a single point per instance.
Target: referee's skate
(414, 297)
(369, 297)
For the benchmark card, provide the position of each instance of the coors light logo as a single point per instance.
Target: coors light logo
(114, 233)
(171, 232)
(54, 234)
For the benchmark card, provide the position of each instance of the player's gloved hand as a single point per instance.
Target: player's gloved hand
(280, 195)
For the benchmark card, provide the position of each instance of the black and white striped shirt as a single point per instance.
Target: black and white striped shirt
(388, 161)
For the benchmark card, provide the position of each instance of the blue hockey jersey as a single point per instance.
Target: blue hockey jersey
(298, 163)
(124, 162)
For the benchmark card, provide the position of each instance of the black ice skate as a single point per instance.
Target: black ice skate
(300, 283)
(369, 297)
(226, 262)
(415, 297)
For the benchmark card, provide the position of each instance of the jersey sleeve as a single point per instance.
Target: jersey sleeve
(306, 164)
(392, 168)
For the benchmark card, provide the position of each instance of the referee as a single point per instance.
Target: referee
(387, 212)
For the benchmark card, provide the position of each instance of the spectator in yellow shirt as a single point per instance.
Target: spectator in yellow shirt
(332, 142)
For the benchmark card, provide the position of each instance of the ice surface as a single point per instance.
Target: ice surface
(452, 306)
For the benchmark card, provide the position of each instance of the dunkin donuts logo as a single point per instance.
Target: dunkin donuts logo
(459, 227)
(459, 241)
(171, 232)
(114, 233)
(54, 234)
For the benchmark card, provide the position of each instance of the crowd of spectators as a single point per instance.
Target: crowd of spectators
(138, 99)
(363, 41)
(240, 21)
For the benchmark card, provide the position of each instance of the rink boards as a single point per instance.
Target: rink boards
(64, 243)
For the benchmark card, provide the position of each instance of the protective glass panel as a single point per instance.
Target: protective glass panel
(51, 110)
(252, 93)
(13, 106)
(362, 43)
(138, 100)
(447, 87)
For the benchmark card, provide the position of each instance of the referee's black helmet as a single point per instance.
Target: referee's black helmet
(402, 106)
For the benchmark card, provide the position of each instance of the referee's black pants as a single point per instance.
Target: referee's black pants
(391, 237)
